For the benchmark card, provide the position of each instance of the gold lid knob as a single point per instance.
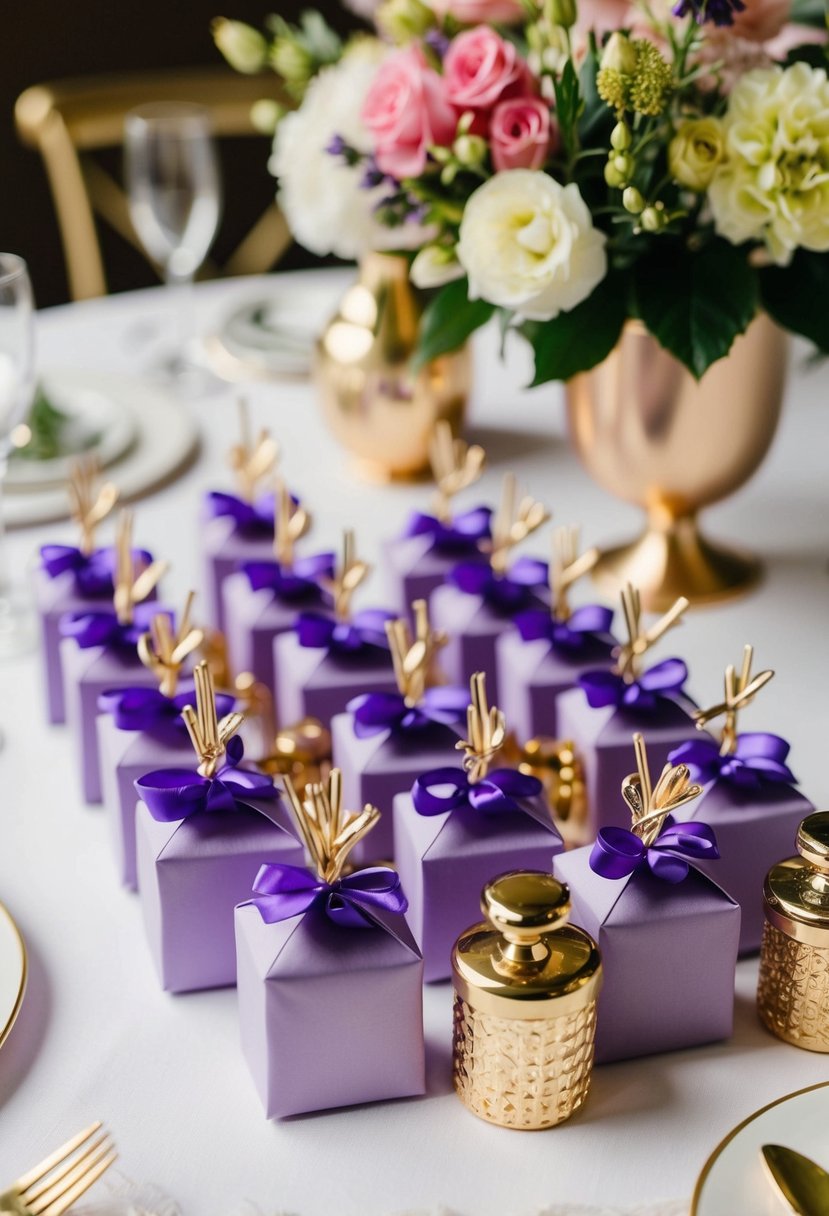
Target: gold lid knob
(813, 841)
(525, 904)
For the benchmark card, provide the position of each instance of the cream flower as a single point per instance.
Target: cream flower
(528, 243)
(774, 183)
(695, 151)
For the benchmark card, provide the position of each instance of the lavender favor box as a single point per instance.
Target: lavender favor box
(377, 768)
(252, 620)
(330, 1016)
(668, 951)
(444, 862)
(54, 597)
(533, 675)
(224, 547)
(603, 740)
(316, 683)
(191, 875)
(419, 561)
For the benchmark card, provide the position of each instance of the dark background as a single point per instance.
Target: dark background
(48, 39)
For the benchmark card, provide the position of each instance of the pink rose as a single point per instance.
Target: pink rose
(480, 69)
(521, 133)
(406, 112)
(761, 20)
(477, 12)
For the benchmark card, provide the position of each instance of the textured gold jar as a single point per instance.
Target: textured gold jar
(526, 985)
(793, 989)
(380, 411)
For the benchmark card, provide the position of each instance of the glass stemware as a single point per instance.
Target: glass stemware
(174, 190)
(16, 390)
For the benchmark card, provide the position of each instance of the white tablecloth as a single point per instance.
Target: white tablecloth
(97, 1037)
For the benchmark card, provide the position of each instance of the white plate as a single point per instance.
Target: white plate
(267, 338)
(166, 437)
(92, 413)
(734, 1180)
(12, 972)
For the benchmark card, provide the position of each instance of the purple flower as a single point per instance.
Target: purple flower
(719, 12)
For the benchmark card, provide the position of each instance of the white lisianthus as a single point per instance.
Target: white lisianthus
(434, 266)
(326, 207)
(528, 243)
(774, 183)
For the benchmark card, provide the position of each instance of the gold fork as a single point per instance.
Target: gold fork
(53, 1186)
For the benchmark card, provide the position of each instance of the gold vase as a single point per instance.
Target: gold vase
(650, 433)
(381, 413)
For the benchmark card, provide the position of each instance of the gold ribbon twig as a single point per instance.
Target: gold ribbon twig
(208, 735)
(640, 640)
(291, 523)
(132, 586)
(455, 466)
(163, 650)
(740, 691)
(351, 572)
(252, 460)
(649, 806)
(414, 658)
(89, 505)
(486, 731)
(328, 831)
(566, 568)
(253, 697)
(512, 524)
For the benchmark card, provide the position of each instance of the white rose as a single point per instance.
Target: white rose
(528, 243)
(774, 183)
(326, 207)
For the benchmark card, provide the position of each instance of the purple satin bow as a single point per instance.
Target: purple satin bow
(92, 572)
(460, 534)
(499, 791)
(758, 758)
(147, 709)
(172, 794)
(617, 852)
(104, 629)
(249, 518)
(366, 629)
(375, 712)
(607, 688)
(299, 581)
(283, 891)
(585, 628)
(504, 592)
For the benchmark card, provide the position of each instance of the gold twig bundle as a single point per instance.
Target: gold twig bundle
(640, 640)
(132, 586)
(740, 691)
(351, 572)
(456, 465)
(254, 697)
(251, 460)
(649, 806)
(486, 731)
(512, 524)
(328, 831)
(208, 735)
(415, 657)
(163, 649)
(566, 568)
(291, 522)
(90, 503)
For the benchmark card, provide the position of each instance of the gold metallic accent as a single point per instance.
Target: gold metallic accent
(566, 568)
(415, 658)
(640, 640)
(526, 985)
(793, 987)
(558, 767)
(89, 503)
(291, 523)
(486, 730)
(208, 735)
(650, 806)
(5, 1031)
(301, 752)
(381, 411)
(739, 692)
(512, 524)
(800, 1181)
(252, 460)
(132, 586)
(651, 434)
(328, 831)
(351, 572)
(164, 651)
(456, 465)
(251, 694)
(57, 1182)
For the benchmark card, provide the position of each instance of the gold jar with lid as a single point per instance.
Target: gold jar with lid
(793, 989)
(526, 985)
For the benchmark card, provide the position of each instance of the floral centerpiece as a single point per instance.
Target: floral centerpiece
(567, 166)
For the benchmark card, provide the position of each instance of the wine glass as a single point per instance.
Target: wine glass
(16, 390)
(174, 190)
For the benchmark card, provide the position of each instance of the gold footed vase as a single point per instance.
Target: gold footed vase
(650, 433)
(381, 412)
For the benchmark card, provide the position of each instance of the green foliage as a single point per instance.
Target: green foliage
(795, 296)
(577, 340)
(448, 320)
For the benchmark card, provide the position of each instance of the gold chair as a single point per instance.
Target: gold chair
(67, 121)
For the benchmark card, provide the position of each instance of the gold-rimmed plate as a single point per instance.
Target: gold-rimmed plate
(734, 1181)
(13, 967)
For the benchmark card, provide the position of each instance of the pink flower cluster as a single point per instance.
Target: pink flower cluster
(411, 107)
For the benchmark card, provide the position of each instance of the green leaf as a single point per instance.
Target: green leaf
(595, 113)
(695, 303)
(794, 296)
(448, 320)
(808, 12)
(568, 105)
(577, 340)
(812, 53)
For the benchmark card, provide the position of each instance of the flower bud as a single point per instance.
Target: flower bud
(265, 115)
(632, 200)
(613, 177)
(244, 48)
(653, 219)
(470, 149)
(563, 13)
(695, 152)
(620, 137)
(623, 163)
(435, 265)
(403, 20)
(291, 61)
(619, 54)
